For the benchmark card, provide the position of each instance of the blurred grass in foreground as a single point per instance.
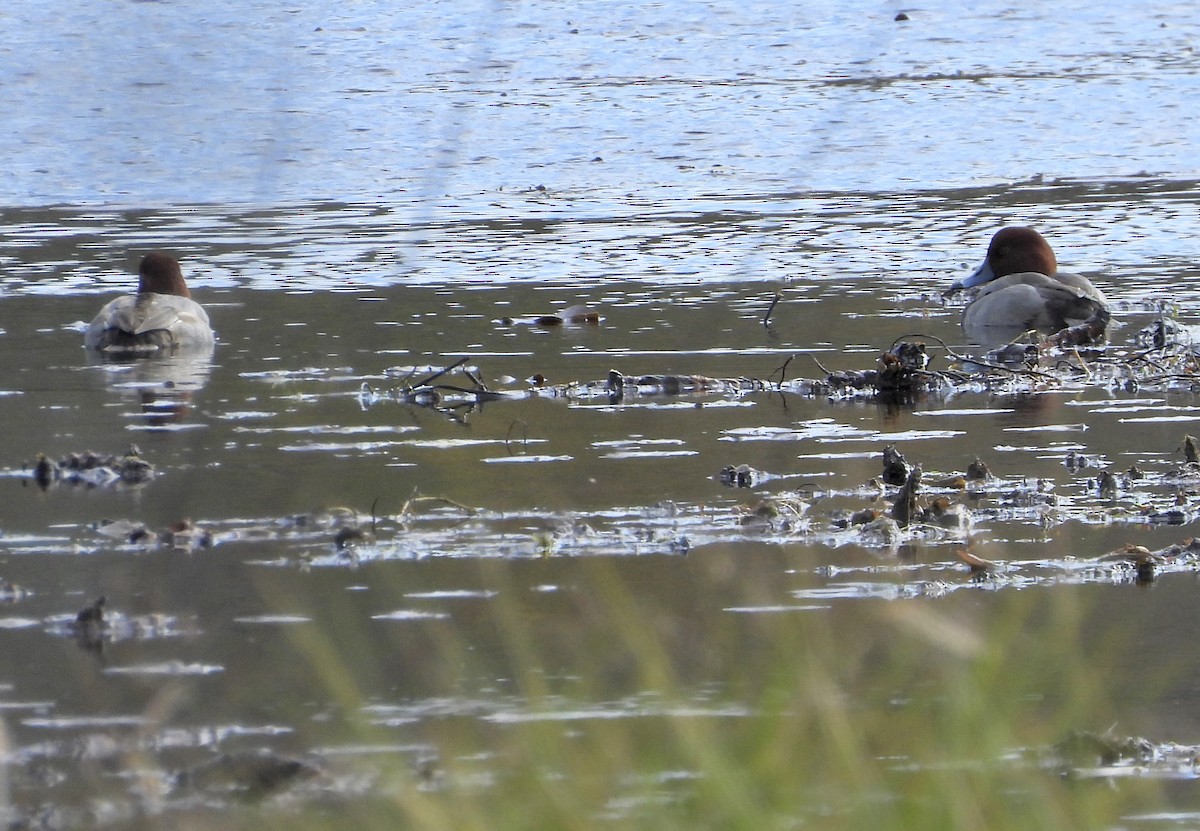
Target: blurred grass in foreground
(871, 714)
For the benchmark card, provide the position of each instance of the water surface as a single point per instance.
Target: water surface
(361, 195)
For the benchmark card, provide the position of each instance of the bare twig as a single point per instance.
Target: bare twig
(782, 370)
(524, 434)
(766, 321)
(426, 381)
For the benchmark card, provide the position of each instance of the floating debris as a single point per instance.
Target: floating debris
(1085, 750)
(895, 467)
(901, 374)
(1106, 484)
(861, 517)
(185, 535)
(740, 476)
(1022, 355)
(10, 592)
(1163, 333)
(1191, 450)
(93, 469)
(126, 531)
(977, 471)
(91, 616)
(617, 385)
(978, 565)
(89, 625)
(251, 775)
(578, 315)
(1091, 331)
(348, 536)
(900, 370)
(98, 624)
(781, 511)
(1144, 562)
(904, 508)
(1075, 461)
(947, 514)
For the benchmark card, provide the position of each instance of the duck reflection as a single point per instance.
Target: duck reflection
(163, 385)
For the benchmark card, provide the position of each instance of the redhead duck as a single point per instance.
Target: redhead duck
(161, 316)
(1022, 289)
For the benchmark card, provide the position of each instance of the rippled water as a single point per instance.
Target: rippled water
(362, 194)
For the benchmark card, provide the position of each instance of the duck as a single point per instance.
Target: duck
(162, 316)
(1021, 289)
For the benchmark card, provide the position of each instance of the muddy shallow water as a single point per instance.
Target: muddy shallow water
(324, 592)
(342, 538)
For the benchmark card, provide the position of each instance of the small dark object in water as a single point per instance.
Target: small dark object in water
(978, 565)
(92, 615)
(1144, 561)
(1076, 461)
(853, 379)
(1091, 331)
(763, 511)
(766, 321)
(1019, 354)
(615, 384)
(142, 535)
(132, 468)
(572, 316)
(1106, 484)
(739, 476)
(897, 369)
(900, 17)
(977, 471)
(895, 468)
(1146, 570)
(1191, 450)
(93, 468)
(911, 355)
(253, 775)
(669, 384)
(1160, 334)
(952, 480)
(185, 535)
(769, 509)
(1135, 473)
(945, 513)
(860, 517)
(1171, 516)
(348, 535)
(422, 397)
(904, 509)
(43, 471)
(1082, 749)
(89, 626)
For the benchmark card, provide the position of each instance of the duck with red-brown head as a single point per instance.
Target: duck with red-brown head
(161, 317)
(1021, 289)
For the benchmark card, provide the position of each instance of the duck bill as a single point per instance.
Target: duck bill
(978, 277)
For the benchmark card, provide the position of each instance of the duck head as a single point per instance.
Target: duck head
(160, 273)
(1013, 250)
